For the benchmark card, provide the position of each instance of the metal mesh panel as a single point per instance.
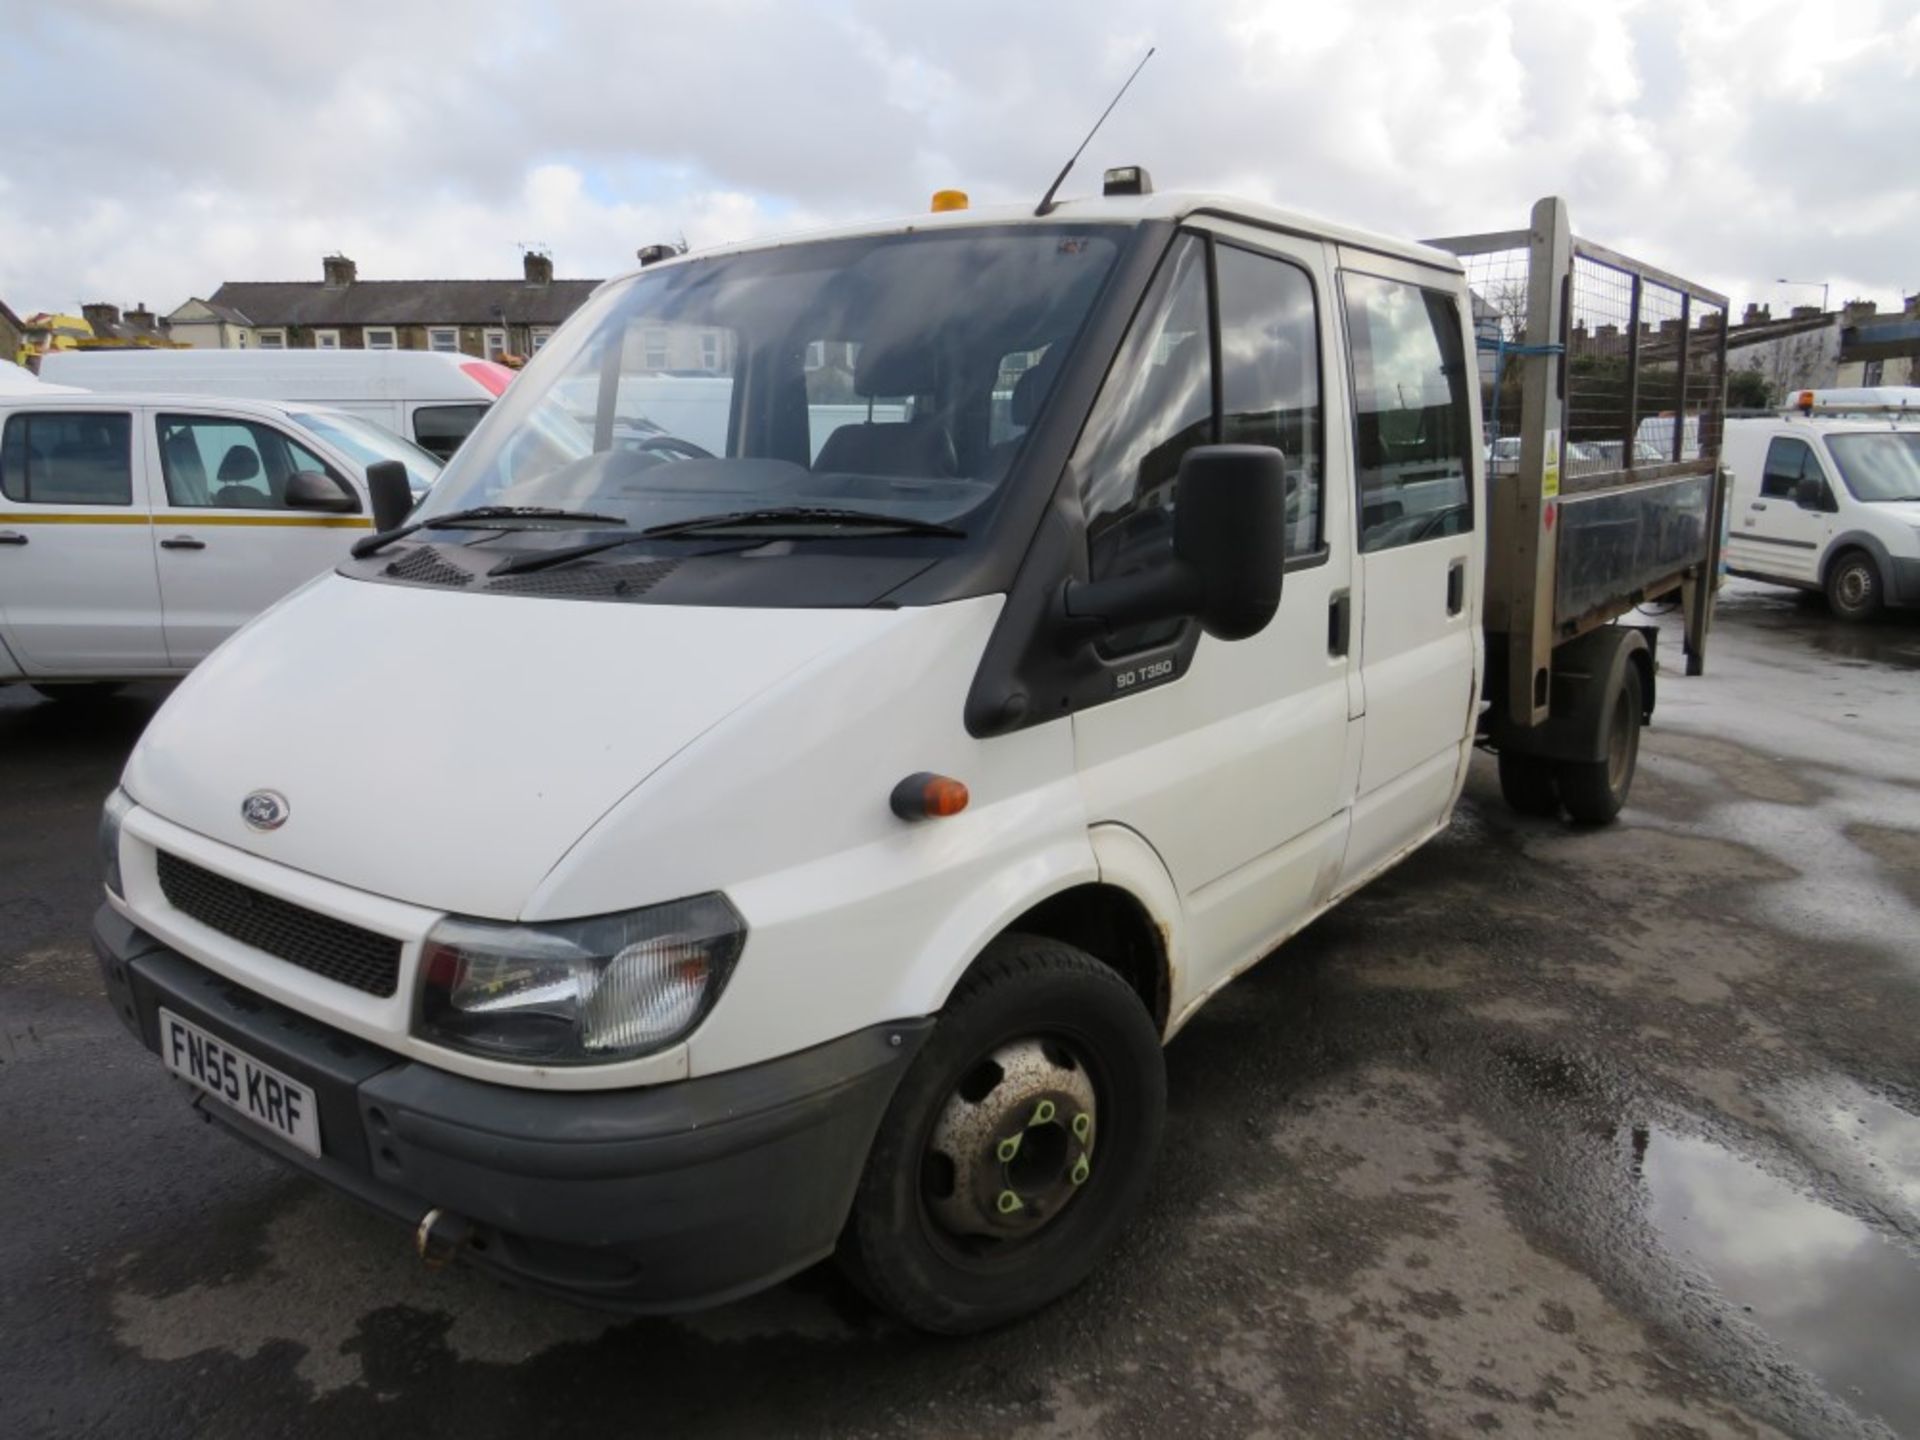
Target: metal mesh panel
(328, 947)
(613, 581)
(1599, 369)
(1497, 281)
(1657, 395)
(423, 567)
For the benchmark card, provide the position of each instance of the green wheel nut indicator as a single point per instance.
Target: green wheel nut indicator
(1008, 1148)
(1082, 1125)
(1081, 1169)
(1042, 1113)
(1008, 1202)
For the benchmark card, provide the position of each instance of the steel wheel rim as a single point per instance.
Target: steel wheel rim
(1854, 587)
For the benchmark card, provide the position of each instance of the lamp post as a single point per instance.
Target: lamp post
(1823, 284)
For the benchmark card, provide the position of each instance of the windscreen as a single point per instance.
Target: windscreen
(1879, 467)
(368, 443)
(895, 375)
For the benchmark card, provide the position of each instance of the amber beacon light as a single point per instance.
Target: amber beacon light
(926, 796)
(949, 200)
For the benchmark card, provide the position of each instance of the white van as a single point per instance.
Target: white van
(827, 820)
(1829, 500)
(434, 400)
(138, 531)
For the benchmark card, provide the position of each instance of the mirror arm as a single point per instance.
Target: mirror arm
(1091, 607)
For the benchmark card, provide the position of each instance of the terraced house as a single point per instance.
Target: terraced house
(340, 311)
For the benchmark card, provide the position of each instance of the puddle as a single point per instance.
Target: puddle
(1837, 1297)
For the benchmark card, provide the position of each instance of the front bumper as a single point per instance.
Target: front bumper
(669, 1197)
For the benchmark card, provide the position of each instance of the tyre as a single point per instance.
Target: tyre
(1854, 591)
(1528, 784)
(1018, 1146)
(85, 692)
(1594, 791)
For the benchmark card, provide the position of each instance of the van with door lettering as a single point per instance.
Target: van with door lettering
(432, 399)
(830, 816)
(1826, 497)
(138, 531)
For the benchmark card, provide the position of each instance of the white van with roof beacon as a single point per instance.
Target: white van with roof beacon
(433, 399)
(1826, 497)
(826, 823)
(139, 531)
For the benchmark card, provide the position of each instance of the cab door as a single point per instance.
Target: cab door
(1230, 759)
(1415, 432)
(78, 590)
(228, 545)
(1774, 534)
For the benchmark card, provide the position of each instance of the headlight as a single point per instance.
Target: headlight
(111, 814)
(578, 992)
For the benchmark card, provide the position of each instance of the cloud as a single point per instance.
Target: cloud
(158, 147)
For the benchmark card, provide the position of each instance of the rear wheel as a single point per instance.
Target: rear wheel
(86, 692)
(1528, 784)
(1018, 1146)
(1853, 587)
(1593, 791)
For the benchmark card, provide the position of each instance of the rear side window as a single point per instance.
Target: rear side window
(67, 459)
(441, 428)
(1788, 460)
(1410, 412)
(216, 462)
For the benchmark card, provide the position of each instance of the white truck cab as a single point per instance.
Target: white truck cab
(827, 821)
(138, 531)
(1826, 497)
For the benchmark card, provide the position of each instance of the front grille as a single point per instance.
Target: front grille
(319, 943)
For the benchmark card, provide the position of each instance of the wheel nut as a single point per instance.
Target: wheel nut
(1043, 1113)
(1081, 1169)
(1008, 1202)
(1082, 1125)
(1008, 1148)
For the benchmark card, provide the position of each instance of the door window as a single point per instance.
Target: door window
(1270, 376)
(1411, 419)
(1787, 461)
(67, 459)
(219, 463)
(441, 428)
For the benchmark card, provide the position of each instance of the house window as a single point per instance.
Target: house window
(326, 339)
(709, 350)
(496, 344)
(443, 340)
(380, 337)
(655, 354)
(273, 339)
(816, 354)
(540, 335)
(239, 339)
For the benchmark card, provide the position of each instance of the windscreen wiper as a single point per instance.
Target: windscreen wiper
(368, 544)
(805, 515)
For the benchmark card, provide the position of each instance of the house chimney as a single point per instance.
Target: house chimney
(1806, 312)
(338, 271)
(539, 268)
(1757, 315)
(1858, 310)
(141, 318)
(102, 318)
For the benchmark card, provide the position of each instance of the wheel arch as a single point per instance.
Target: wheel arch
(1849, 541)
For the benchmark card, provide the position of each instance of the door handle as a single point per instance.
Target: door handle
(12, 537)
(1339, 623)
(183, 542)
(1456, 586)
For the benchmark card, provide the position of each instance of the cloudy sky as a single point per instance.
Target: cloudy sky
(157, 147)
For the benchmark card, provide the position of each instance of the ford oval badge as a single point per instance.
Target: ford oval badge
(264, 810)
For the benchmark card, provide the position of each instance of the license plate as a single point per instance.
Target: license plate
(240, 1082)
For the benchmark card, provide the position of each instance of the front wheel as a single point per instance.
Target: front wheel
(1593, 791)
(1018, 1146)
(1853, 587)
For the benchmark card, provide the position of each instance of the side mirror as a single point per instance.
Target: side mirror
(391, 493)
(1229, 545)
(1810, 493)
(311, 490)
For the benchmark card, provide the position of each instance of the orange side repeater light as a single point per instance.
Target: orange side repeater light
(926, 796)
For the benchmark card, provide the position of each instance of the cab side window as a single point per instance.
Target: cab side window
(67, 459)
(1411, 421)
(1787, 461)
(1156, 405)
(1270, 376)
(441, 428)
(219, 463)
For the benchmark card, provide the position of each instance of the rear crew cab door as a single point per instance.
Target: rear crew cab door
(227, 544)
(1773, 534)
(1416, 431)
(1231, 759)
(78, 588)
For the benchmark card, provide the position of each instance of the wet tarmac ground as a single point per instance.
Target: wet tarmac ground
(1549, 1132)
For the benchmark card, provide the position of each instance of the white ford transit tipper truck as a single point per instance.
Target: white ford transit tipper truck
(819, 833)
